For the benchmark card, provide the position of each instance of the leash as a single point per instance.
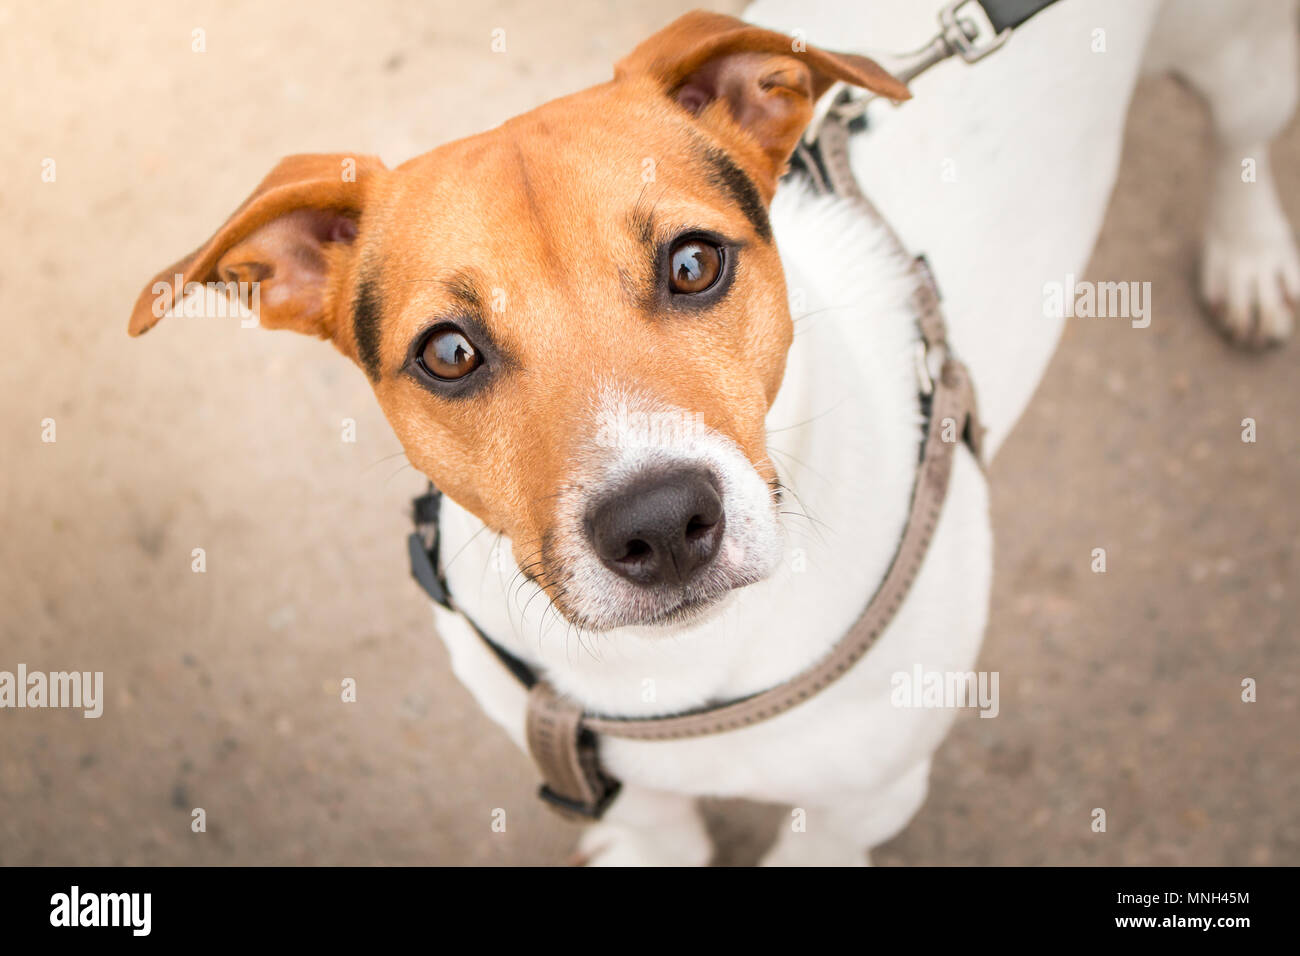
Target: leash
(959, 35)
(562, 737)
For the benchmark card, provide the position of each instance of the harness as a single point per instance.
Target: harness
(562, 737)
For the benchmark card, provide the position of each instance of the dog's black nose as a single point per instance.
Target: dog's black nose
(660, 528)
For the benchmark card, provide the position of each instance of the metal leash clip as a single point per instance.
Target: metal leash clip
(957, 33)
(958, 36)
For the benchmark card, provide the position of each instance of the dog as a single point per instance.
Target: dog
(582, 326)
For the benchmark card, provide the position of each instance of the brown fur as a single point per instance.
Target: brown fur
(539, 228)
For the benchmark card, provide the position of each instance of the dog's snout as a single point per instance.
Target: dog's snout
(661, 528)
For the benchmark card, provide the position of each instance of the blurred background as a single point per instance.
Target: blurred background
(1119, 690)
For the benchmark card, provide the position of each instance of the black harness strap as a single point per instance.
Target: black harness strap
(1009, 14)
(426, 567)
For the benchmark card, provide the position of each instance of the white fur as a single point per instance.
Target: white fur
(632, 434)
(1033, 137)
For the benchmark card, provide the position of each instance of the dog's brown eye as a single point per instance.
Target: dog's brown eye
(694, 265)
(447, 354)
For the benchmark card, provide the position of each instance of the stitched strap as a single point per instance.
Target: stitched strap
(952, 411)
(827, 165)
(565, 753)
(560, 736)
(833, 145)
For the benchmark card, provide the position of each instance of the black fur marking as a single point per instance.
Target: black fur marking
(726, 175)
(462, 287)
(366, 318)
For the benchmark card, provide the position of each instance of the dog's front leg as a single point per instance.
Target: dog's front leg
(645, 827)
(841, 831)
(1242, 57)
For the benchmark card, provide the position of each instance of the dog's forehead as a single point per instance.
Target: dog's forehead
(572, 161)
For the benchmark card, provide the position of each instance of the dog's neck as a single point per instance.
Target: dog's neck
(844, 435)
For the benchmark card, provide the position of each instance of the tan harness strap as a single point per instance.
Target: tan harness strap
(950, 415)
(566, 755)
(833, 142)
(560, 736)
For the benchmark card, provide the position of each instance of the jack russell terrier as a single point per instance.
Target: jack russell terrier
(675, 396)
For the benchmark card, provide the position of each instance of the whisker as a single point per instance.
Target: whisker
(798, 461)
(817, 523)
(807, 421)
(398, 472)
(375, 464)
(462, 548)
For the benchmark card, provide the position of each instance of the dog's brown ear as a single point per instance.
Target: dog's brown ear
(291, 237)
(766, 81)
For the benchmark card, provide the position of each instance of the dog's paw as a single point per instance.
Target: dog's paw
(1251, 289)
(610, 844)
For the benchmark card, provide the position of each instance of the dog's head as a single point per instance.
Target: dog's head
(576, 322)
